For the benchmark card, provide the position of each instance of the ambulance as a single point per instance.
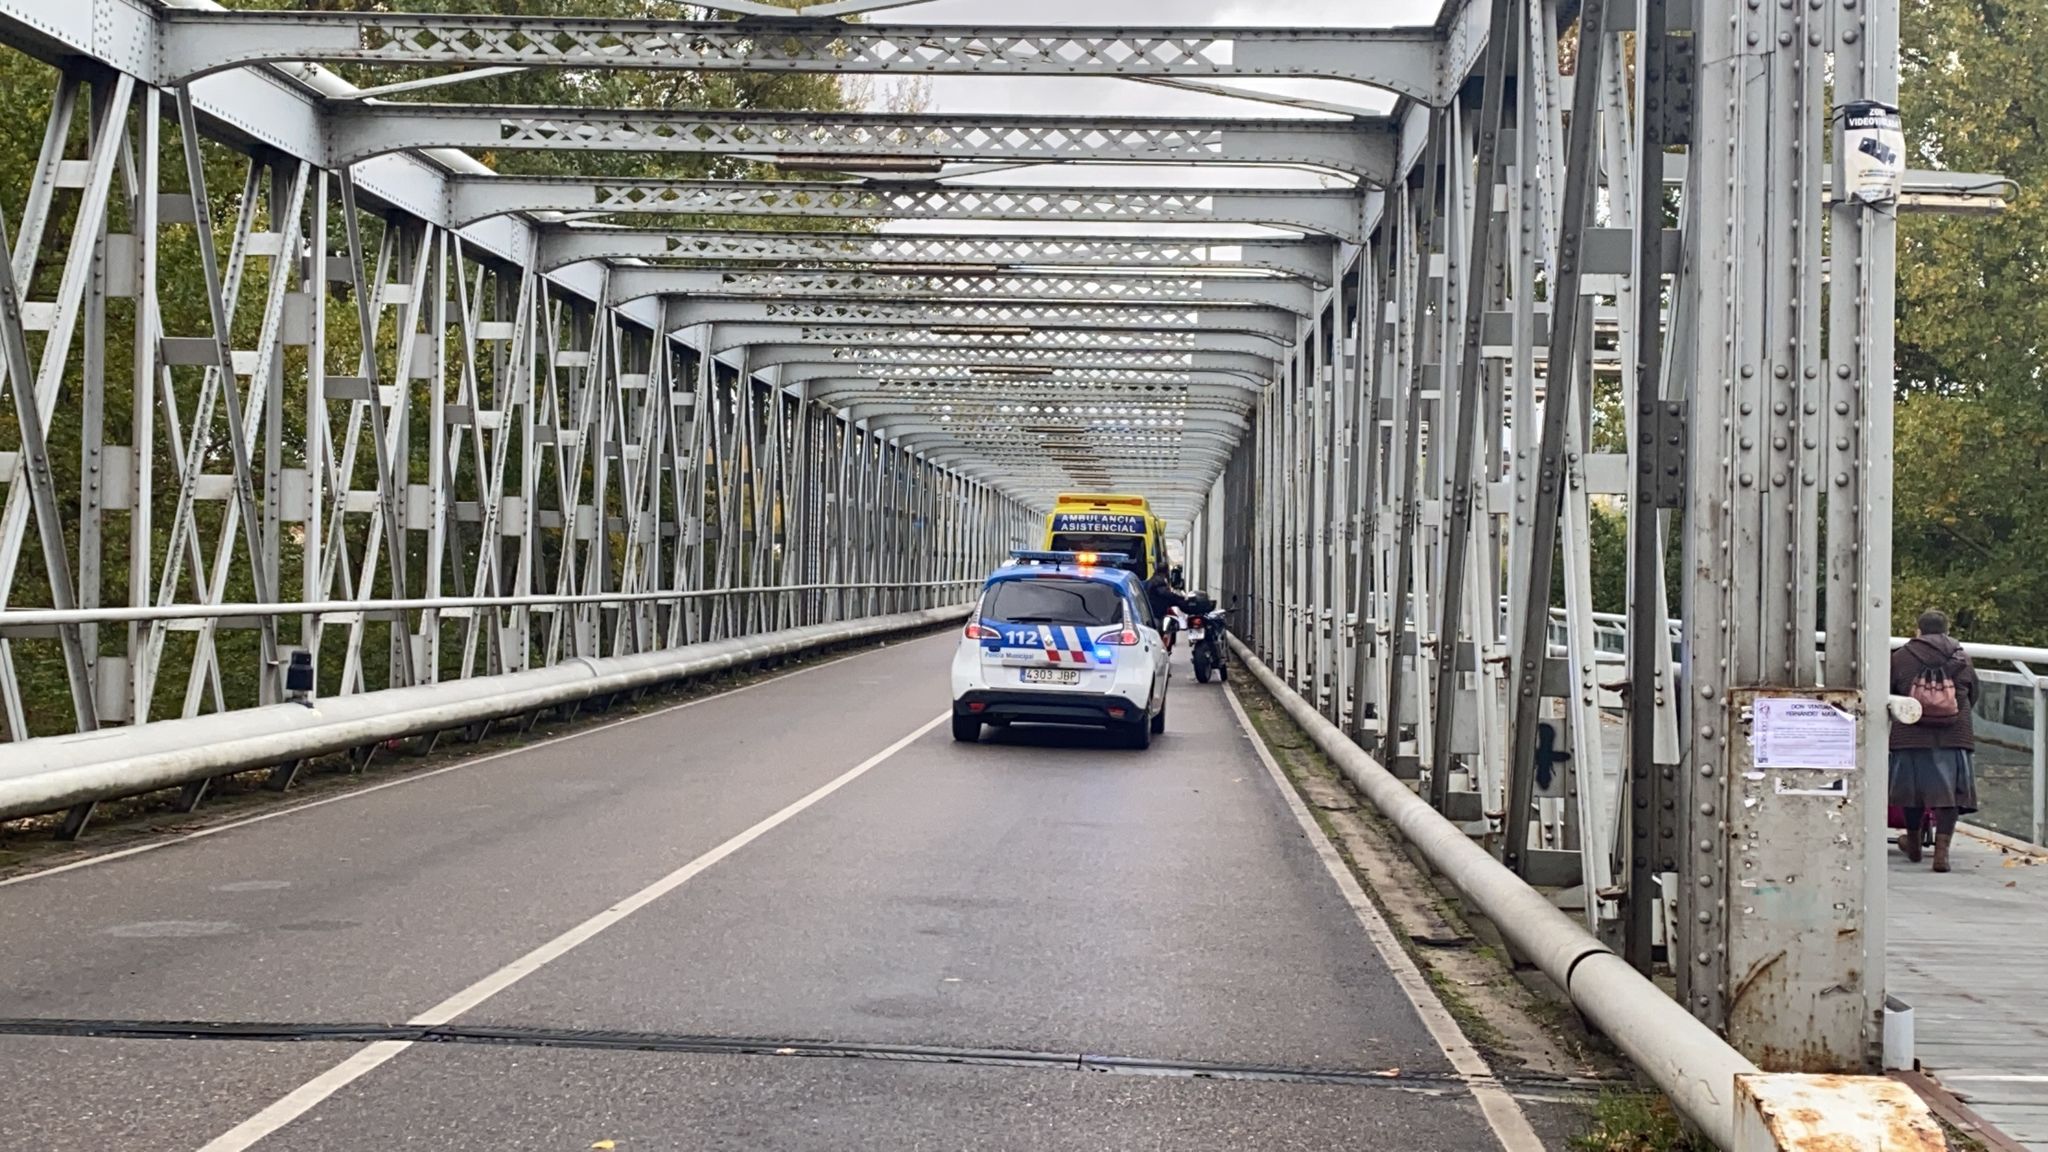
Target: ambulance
(1108, 524)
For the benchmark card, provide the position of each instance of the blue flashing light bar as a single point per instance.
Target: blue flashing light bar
(1085, 559)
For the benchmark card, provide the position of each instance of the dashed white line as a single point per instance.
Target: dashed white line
(307, 1096)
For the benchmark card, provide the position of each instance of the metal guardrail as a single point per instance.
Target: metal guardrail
(2012, 712)
(52, 617)
(1708, 1082)
(72, 772)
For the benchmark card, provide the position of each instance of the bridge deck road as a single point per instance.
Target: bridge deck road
(689, 874)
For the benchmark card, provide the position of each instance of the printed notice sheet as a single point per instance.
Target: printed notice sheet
(1791, 732)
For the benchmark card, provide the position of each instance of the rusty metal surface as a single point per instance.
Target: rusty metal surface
(1795, 922)
(1806, 1113)
(1958, 1114)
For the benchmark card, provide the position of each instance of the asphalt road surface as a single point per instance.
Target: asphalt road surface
(797, 916)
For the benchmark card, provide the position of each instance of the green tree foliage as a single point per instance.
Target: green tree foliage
(1971, 527)
(27, 88)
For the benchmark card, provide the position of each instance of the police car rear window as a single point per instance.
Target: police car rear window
(1053, 600)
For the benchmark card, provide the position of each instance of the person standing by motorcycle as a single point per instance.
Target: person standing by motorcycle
(1162, 595)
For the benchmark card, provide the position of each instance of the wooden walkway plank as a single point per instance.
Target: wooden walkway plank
(1969, 952)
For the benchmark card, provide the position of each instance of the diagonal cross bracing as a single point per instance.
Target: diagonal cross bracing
(631, 283)
(989, 361)
(1367, 149)
(731, 336)
(1305, 260)
(1330, 212)
(1402, 60)
(1268, 324)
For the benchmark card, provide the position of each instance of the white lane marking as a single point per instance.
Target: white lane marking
(1989, 1078)
(359, 793)
(1503, 1115)
(305, 1097)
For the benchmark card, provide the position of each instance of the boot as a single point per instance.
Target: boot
(1941, 851)
(1909, 843)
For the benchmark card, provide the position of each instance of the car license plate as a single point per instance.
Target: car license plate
(1051, 676)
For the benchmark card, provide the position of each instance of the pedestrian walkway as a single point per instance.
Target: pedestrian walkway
(1969, 952)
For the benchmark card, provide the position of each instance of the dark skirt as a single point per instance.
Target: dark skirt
(1933, 778)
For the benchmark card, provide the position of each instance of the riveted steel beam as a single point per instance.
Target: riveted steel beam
(1366, 149)
(1305, 260)
(632, 283)
(193, 43)
(731, 336)
(940, 373)
(988, 362)
(1038, 391)
(1268, 324)
(1328, 212)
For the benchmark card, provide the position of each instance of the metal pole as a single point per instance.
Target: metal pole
(1559, 387)
(1478, 272)
(1657, 443)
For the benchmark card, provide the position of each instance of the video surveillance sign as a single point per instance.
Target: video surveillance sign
(1872, 152)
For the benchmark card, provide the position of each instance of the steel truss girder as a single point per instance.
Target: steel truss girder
(633, 283)
(891, 360)
(1337, 213)
(1135, 424)
(1027, 458)
(1172, 417)
(1367, 148)
(1304, 260)
(193, 43)
(468, 427)
(1035, 391)
(727, 337)
(1267, 324)
(797, 372)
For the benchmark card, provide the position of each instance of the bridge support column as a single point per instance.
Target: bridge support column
(1781, 911)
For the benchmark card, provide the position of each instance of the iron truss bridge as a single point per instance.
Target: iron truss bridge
(373, 403)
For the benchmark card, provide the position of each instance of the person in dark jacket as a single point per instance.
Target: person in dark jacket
(1931, 767)
(1160, 591)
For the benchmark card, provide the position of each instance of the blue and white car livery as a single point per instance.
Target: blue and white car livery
(1062, 638)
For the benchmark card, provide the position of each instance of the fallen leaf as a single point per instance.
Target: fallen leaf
(2012, 883)
(605, 1145)
(1389, 1073)
(2011, 863)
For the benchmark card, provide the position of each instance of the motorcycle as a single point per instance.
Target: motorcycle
(1205, 638)
(1170, 628)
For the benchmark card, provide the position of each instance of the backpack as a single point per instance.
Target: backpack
(1937, 696)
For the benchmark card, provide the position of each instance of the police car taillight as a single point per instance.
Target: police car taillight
(1124, 639)
(976, 631)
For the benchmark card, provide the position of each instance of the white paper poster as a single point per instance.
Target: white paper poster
(1873, 152)
(1795, 732)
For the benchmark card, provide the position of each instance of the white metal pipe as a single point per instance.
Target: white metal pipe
(1682, 1056)
(53, 773)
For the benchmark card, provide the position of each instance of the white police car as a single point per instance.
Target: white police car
(1062, 638)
